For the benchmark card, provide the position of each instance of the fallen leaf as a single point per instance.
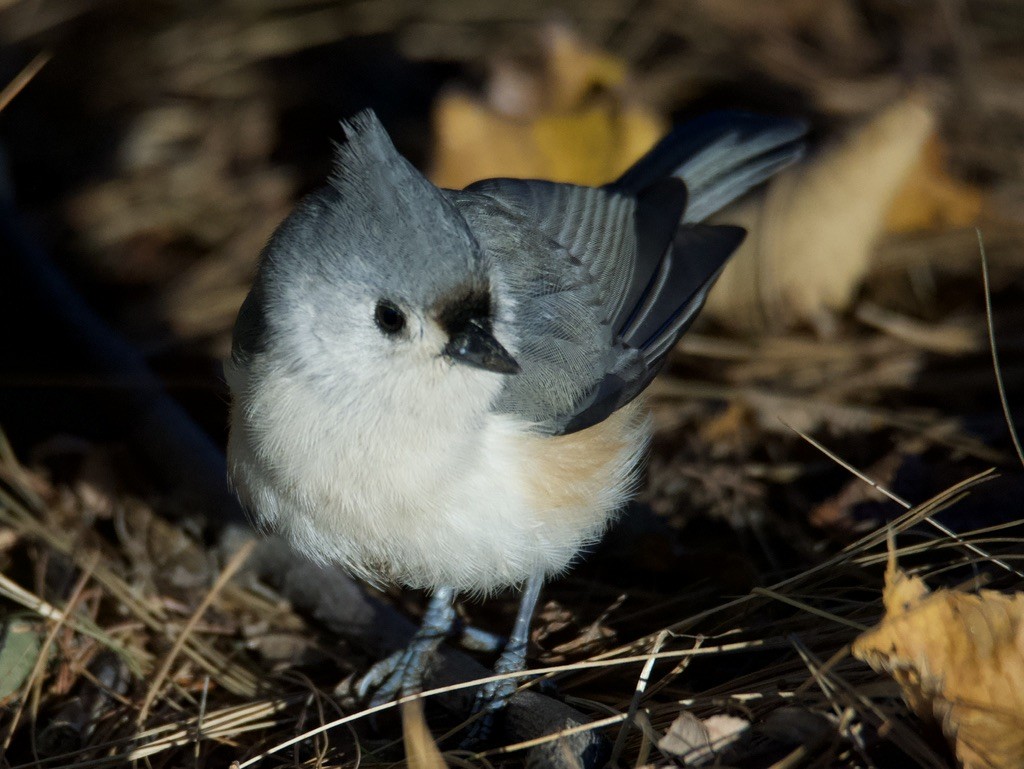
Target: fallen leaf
(19, 650)
(838, 514)
(930, 198)
(573, 122)
(958, 658)
(575, 69)
(732, 425)
(813, 228)
(697, 741)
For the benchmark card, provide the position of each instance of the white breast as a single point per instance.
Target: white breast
(426, 491)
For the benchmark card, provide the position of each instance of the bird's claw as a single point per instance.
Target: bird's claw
(490, 700)
(400, 674)
(493, 697)
(404, 671)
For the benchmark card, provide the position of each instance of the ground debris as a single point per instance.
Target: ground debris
(959, 659)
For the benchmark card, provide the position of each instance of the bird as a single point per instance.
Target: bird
(442, 389)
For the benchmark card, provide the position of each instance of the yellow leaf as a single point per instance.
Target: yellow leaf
(813, 228)
(579, 127)
(930, 198)
(575, 69)
(958, 658)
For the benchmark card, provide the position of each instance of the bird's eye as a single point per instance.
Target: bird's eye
(389, 318)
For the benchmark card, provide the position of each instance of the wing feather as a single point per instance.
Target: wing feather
(605, 280)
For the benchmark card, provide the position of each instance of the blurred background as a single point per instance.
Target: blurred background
(151, 148)
(161, 143)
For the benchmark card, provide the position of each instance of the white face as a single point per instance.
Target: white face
(379, 298)
(391, 331)
(378, 354)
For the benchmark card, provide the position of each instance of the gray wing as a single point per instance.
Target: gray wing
(585, 267)
(606, 280)
(558, 320)
(617, 240)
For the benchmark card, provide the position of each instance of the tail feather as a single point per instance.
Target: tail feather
(711, 194)
(719, 156)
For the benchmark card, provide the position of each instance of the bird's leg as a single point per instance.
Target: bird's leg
(402, 673)
(492, 697)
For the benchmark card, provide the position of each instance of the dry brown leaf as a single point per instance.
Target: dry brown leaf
(814, 227)
(555, 622)
(930, 198)
(957, 657)
(572, 123)
(696, 741)
(732, 425)
(837, 514)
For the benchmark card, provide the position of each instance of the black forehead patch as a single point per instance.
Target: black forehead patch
(469, 303)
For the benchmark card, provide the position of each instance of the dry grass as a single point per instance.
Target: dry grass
(783, 645)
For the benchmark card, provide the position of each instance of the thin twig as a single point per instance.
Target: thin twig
(44, 650)
(23, 78)
(585, 665)
(199, 718)
(229, 571)
(588, 727)
(804, 607)
(634, 703)
(906, 505)
(995, 353)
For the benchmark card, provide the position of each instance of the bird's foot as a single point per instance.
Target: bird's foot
(403, 672)
(400, 674)
(493, 697)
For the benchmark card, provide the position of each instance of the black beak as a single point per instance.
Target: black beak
(475, 346)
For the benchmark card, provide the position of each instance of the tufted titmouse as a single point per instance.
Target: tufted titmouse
(439, 388)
